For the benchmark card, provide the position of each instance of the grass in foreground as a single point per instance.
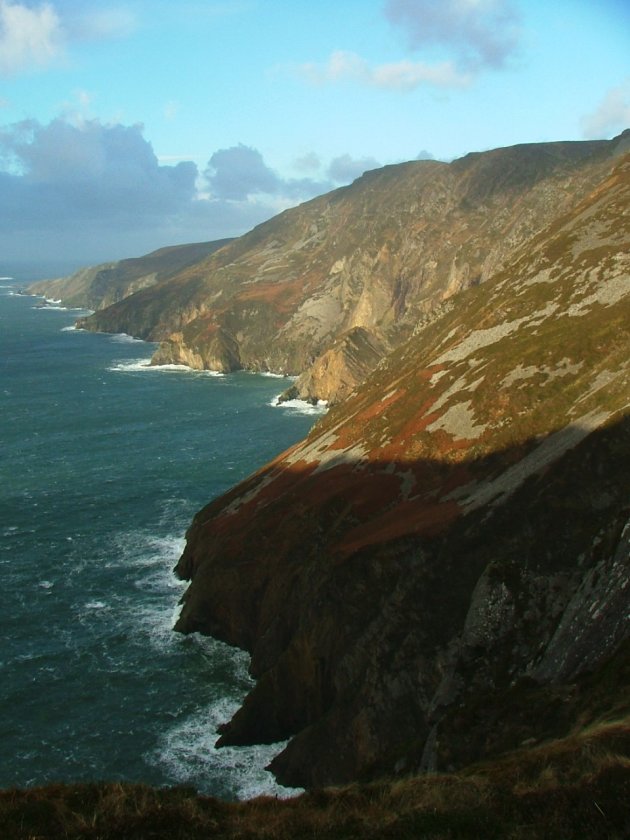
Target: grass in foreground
(577, 787)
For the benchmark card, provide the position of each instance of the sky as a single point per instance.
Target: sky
(127, 125)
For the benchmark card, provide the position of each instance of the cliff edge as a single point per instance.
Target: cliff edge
(422, 581)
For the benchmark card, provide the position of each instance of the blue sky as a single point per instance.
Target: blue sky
(125, 126)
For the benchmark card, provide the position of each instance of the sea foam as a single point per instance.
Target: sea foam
(300, 406)
(124, 338)
(142, 365)
(187, 750)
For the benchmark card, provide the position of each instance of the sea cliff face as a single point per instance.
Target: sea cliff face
(422, 581)
(327, 289)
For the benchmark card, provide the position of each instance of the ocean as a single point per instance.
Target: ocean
(103, 463)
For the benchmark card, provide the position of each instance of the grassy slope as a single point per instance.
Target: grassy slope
(577, 787)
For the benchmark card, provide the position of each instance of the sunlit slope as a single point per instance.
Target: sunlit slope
(328, 288)
(455, 530)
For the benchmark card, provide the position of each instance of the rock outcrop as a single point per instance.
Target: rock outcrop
(336, 282)
(423, 579)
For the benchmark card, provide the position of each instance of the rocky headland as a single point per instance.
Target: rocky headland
(435, 574)
(99, 286)
(421, 581)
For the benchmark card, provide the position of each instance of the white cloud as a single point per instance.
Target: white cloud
(240, 173)
(611, 116)
(482, 33)
(29, 37)
(36, 36)
(345, 168)
(408, 75)
(402, 75)
(88, 191)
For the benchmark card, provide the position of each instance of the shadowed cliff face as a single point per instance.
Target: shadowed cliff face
(451, 542)
(328, 288)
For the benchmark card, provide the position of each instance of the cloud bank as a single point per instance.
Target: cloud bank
(474, 35)
(91, 191)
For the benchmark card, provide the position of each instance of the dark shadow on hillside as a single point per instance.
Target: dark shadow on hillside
(374, 655)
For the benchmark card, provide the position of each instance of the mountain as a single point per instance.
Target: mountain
(99, 286)
(327, 289)
(430, 576)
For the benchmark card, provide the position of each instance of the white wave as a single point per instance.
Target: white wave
(49, 305)
(71, 328)
(132, 365)
(188, 752)
(139, 550)
(46, 584)
(150, 561)
(124, 338)
(95, 605)
(300, 406)
(135, 365)
(275, 375)
(6, 278)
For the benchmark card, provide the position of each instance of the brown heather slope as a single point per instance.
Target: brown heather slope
(99, 286)
(577, 787)
(327, 288)
(421, 581)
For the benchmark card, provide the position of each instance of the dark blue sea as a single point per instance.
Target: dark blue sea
(103, 463)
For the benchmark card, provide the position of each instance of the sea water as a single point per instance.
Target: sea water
(103, 463)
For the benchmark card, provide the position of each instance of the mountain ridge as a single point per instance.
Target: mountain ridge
(433, 540)
(375, 256)
(425, 579)
(97, 287)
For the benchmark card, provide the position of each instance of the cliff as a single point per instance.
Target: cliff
(424, 581)
(327, 289)
(97, 287)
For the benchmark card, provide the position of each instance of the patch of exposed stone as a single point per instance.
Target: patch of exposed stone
(604, 379)
(352, 456)
(520, 372)
(478, 339)
(542, 276)
(459, 386)
(459, 422)
(496, 491)
(608, 293)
